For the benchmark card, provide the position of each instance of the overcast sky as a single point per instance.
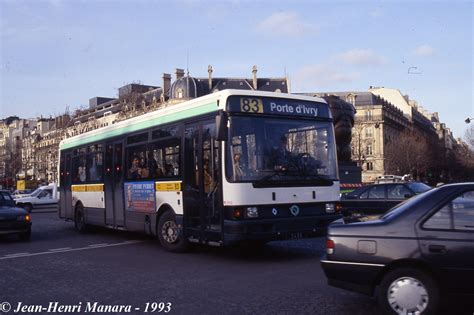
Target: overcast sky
(61, 53)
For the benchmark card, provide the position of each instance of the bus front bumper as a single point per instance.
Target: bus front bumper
(277, 229)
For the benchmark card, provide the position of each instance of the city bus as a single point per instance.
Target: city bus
(227, 167)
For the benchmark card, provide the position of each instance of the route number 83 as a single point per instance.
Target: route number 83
(251, 105)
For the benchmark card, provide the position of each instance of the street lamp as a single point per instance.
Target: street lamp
(468, 120)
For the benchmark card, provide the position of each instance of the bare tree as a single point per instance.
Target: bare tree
(359, 144)
(409, 154)
(469, 136)
(132, 105)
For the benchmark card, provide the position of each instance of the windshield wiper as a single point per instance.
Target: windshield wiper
(322, 179)
(296, 178)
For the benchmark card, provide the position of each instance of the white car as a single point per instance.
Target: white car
(43, 197)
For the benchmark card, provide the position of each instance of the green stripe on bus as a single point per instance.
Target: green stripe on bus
(207, 108)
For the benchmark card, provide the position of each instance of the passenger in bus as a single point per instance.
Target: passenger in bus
(238, 169)
(159, 172)
(144, 172)
(169, 171)
(155, 170)
(82, 173)
(208, 182)
(281, 156)
(134, 171)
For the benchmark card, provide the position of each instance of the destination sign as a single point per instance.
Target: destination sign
(277, 106)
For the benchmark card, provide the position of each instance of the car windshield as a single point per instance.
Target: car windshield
(419, 188)
(263, 150)
(36, 192)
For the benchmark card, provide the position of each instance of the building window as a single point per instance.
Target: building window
(369, 132)
(350, 98)
(370, 166)
(368, 115)
(369, 149)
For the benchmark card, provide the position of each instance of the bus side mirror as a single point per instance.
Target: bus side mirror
(221, 126)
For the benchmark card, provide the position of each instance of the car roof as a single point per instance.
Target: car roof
(460, 184)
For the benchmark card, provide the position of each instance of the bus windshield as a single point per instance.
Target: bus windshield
(281, 152)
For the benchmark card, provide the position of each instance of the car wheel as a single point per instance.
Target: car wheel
(79, 220)
(408, 291)
(25, 236)
(28, 207)
(170, 235)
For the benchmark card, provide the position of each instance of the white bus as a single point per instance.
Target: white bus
(227, 167)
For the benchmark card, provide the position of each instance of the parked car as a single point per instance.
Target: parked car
(412, 255)
(378, 198)
(43, 197)
(13, 220)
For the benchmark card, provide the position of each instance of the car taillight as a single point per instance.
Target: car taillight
(338, 207)
(329, 247)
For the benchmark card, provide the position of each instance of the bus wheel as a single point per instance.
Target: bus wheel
(170, 235)
(79, 222)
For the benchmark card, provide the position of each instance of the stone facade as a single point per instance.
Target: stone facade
(382, 116)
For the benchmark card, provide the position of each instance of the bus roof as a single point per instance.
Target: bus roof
(170, 113)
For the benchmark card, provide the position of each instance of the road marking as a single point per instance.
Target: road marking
(17, 254)
(98, 245)
(65, 250)
(56, 249)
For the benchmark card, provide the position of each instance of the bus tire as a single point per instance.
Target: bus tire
(79, 221)
(170, 235)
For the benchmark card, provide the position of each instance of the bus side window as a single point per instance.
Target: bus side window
(79, 174)
(165, 159)
(137, 162)
(191, 157)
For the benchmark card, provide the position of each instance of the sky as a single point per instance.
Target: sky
(60, 53)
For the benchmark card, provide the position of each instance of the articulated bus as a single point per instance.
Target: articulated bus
(231, 166)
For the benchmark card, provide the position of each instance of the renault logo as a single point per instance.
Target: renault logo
(274, 211)
(295, 210)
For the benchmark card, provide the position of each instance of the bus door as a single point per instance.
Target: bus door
(201, 188)
(65, 194)
(113, 188)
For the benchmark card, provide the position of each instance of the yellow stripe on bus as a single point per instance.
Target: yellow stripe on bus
(88, 188)
(169, 186)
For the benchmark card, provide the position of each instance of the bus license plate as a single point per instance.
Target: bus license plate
(295, 236)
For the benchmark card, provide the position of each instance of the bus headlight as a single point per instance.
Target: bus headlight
(330, 208)
(251, 212)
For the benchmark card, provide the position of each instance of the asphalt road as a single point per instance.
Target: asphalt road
(120, 268)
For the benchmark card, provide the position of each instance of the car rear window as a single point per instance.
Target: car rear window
(397, 191)
(401, 207)
(377, 192)
(419, 188)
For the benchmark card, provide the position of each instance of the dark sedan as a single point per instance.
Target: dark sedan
(378, 198)
(412, 255)
(13, 220)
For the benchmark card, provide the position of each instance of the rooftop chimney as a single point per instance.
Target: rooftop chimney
(179, 73)
(254, 72)
(209, 70)
(166, 84)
